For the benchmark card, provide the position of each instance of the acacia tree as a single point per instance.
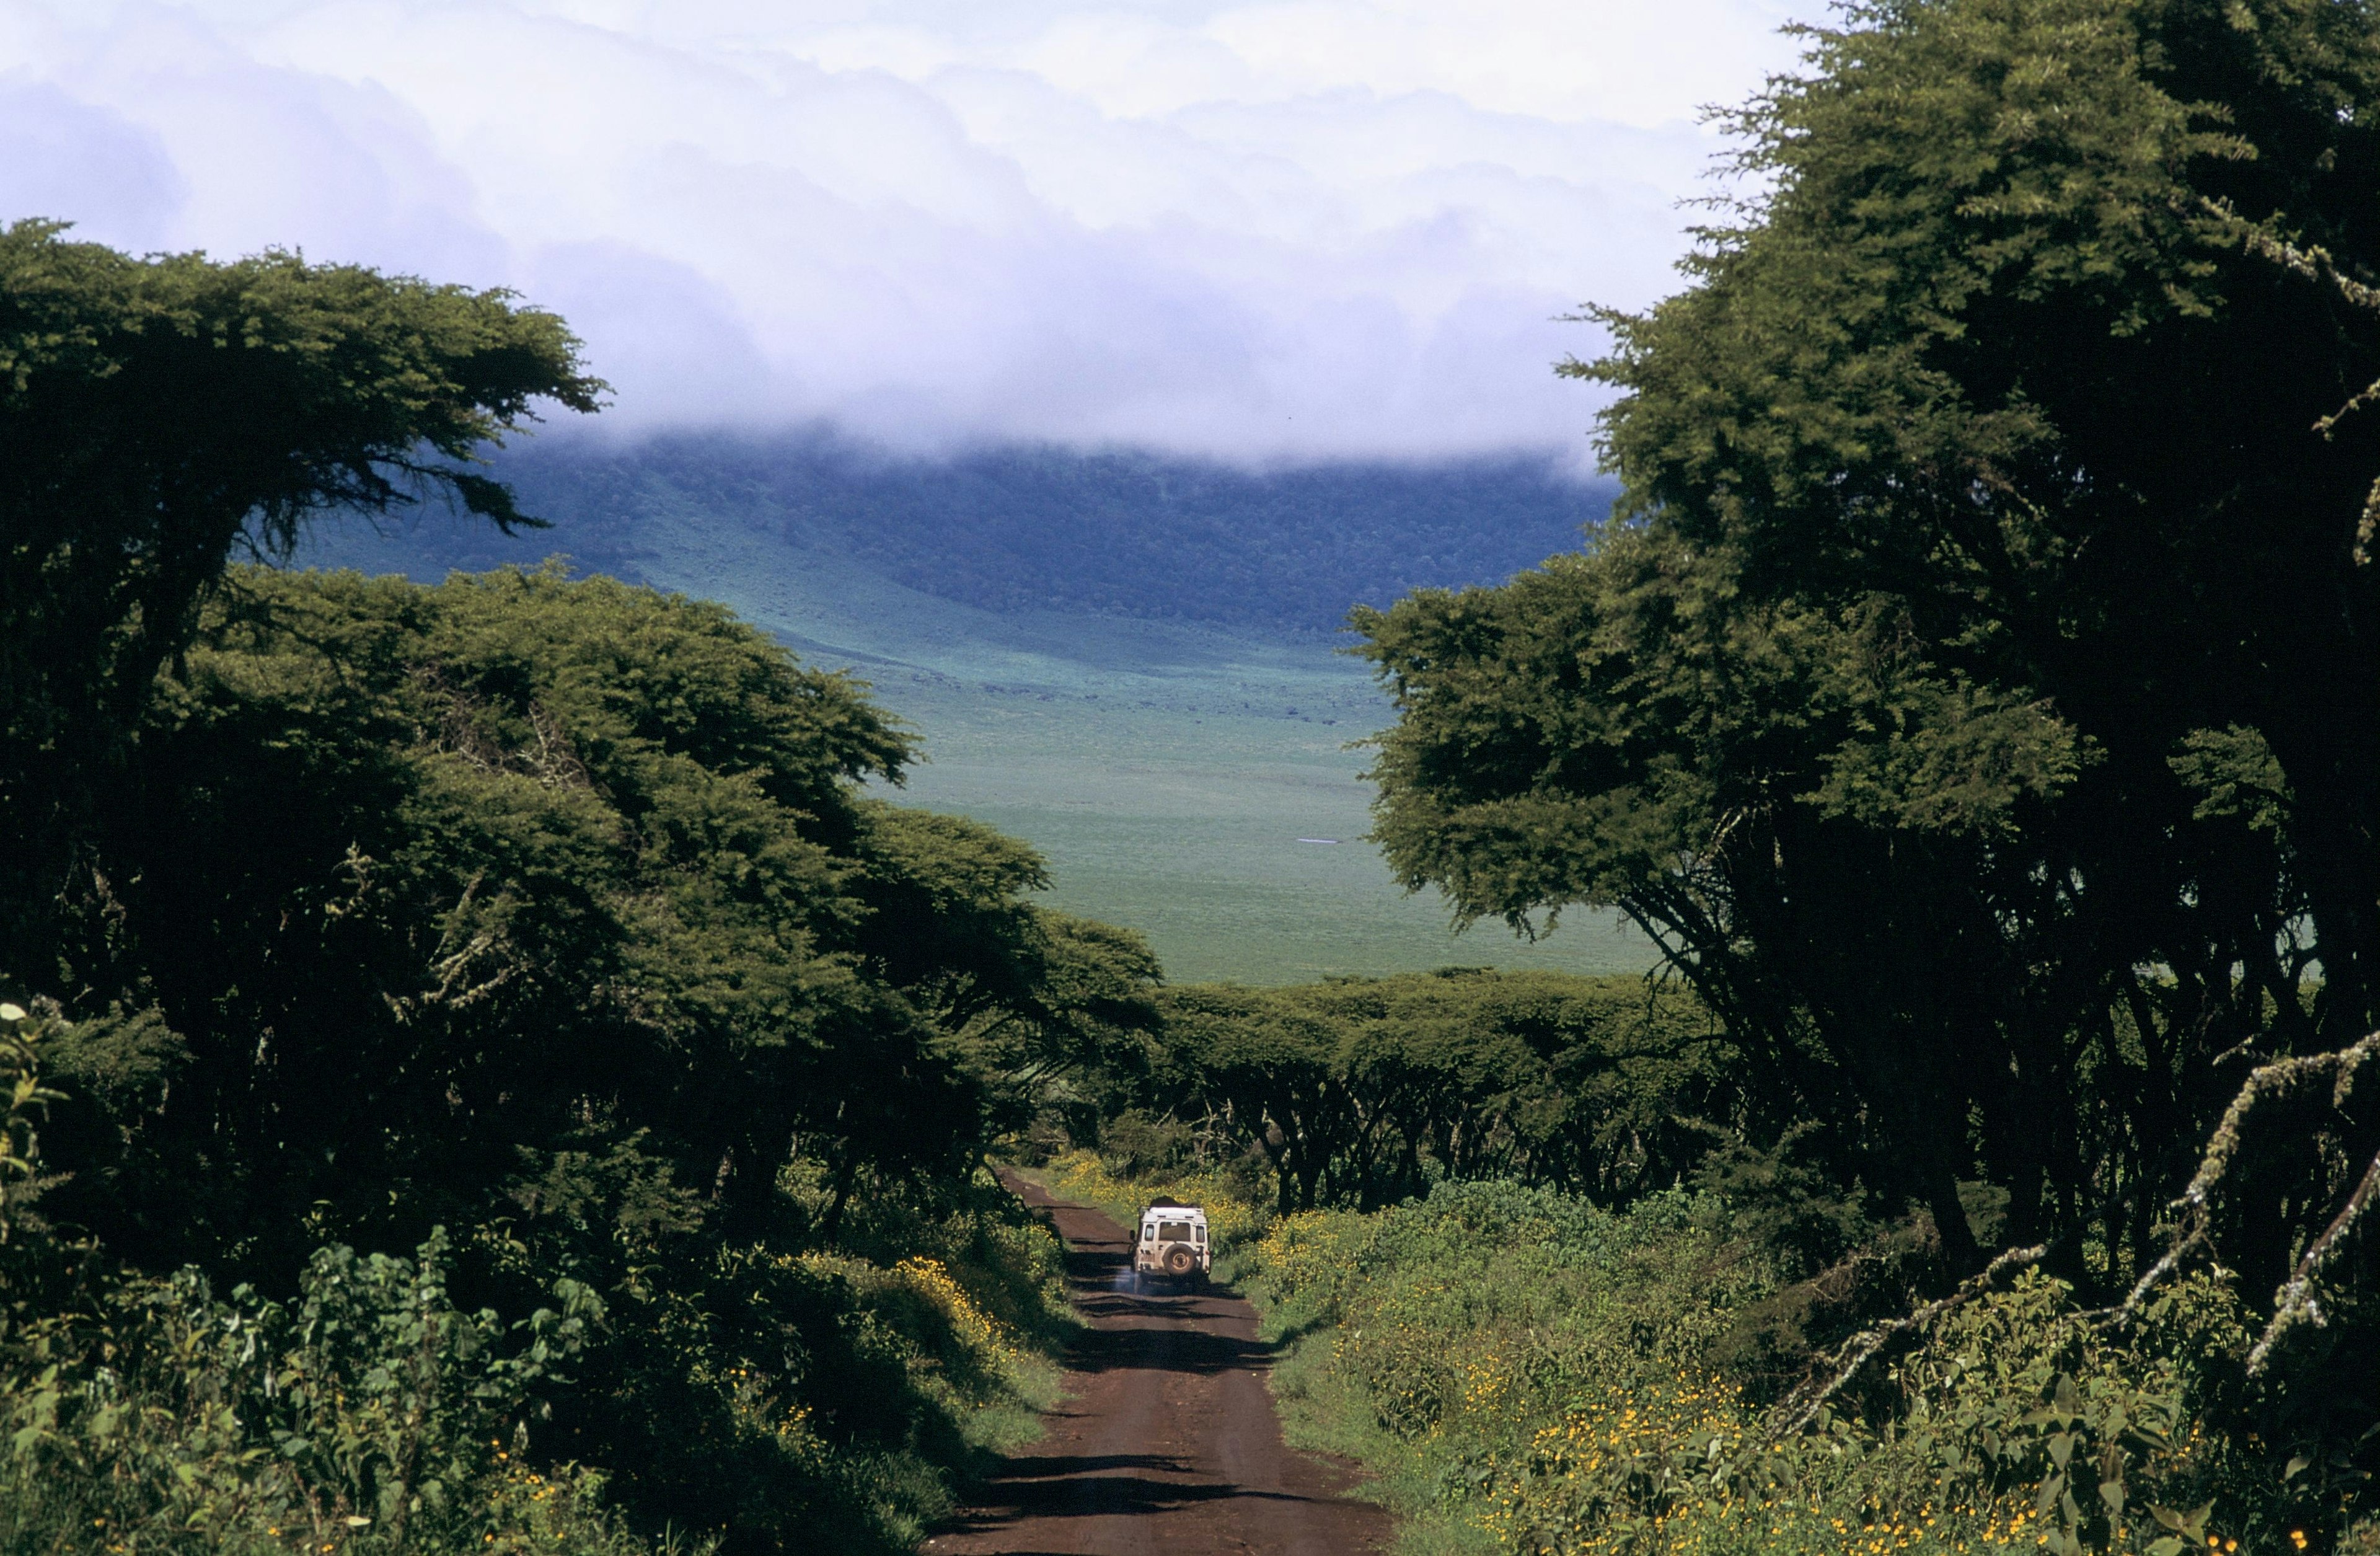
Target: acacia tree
(1977, 690)
(1363, 1091)
(157, 412)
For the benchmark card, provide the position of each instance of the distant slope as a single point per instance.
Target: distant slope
(1021, 530)
(1126, 660)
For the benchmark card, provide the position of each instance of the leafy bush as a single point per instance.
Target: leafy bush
(1133, 1145)
(1983, 1440)
(812, 1401)
(777, 1400)
(23, 1098)
(370, 1415)
(1461, 1318)
(1536, 1374)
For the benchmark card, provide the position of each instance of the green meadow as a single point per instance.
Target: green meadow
(1206, 829)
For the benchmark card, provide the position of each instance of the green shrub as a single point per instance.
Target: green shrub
(774, 1400)
(765, 1400)
(825, 1400)
(2016, 1424)
(1530, 1373)
(370, 1415)
(1134, 1145)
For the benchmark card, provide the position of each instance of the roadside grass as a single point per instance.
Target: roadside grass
(1322, 1411)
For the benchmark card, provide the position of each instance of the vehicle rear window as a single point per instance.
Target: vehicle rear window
(1173, 1232)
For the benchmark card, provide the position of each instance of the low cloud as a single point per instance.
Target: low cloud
(1303, 229)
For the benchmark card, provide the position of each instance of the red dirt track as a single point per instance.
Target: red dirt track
(1166, 1443)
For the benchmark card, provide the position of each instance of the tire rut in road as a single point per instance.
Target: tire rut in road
(1166, 1443)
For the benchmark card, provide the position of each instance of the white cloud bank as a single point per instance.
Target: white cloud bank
(1272, 228)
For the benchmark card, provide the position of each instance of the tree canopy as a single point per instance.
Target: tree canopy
(157, 412)
(1977, 689)
(1365, 1091)
(422, 878)
(556, 929)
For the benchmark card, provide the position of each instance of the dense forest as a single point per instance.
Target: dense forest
(1132, 534)
(486, 1068)
(1990, 729)
(482, 1074)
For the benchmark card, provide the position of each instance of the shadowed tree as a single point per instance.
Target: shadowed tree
(157, 413)
(1978, 689)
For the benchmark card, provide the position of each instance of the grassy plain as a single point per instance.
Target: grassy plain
(1170, 772)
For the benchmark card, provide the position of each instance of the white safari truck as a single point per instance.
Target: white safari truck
(1172, 1245)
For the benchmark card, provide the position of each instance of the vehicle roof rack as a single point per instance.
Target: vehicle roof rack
(1166, 1202)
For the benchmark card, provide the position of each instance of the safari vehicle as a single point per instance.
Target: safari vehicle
(1172, 1245)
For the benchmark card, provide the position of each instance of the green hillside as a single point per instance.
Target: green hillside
(1023, 528)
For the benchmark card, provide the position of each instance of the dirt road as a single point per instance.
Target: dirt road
(1166, 1443)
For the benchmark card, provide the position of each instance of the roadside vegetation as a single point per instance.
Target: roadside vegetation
(1735, 1352)
(1530, 1372)
(479, 1072)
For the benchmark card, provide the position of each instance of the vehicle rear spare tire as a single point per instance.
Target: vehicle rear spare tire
(1178, 1262)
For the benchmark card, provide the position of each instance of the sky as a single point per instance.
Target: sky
(1261, 231)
